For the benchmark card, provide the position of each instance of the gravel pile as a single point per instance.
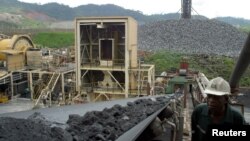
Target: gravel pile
(192, 36)
(109, 124)
(106, 125)
(12, 129)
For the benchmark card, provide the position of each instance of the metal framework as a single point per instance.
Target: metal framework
(106, 59)
(186, 9)
(40, 77)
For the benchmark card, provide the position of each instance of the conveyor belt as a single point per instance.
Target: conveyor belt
(134, 133)
(61, 114)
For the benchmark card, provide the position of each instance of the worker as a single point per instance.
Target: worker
(216, 110)
(44, 99)
(60, 98)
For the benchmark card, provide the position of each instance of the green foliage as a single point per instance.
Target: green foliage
(8, 9)
(6, 25)
(21, 21)
(211, 66)
(234, 21)
(64, 12)
(245, 81)
(54, 39)
(28, 23)
(164, 61)
(245, 28)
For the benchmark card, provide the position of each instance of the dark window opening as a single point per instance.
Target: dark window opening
(106, 49)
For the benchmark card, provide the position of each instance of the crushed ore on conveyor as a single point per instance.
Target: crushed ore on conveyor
(106, 125)
(12, 129)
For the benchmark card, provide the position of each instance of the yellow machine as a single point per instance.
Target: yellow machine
(12, 57)
(13, 51)
(15, 44)
(3, 98)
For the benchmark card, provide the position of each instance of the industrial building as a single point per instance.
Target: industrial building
(107, 66)
(26, 72)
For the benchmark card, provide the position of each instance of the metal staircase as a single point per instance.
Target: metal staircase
(41, 86)
(53, 81)
(45, 92)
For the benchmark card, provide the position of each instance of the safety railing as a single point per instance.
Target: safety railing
(53, 81)
(98, 86)
(116, 63)
(41, 87)
(48, 89)
(111, 88)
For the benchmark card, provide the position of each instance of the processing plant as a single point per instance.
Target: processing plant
(107, 91)
(107, 66)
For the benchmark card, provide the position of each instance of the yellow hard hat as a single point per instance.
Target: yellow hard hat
(218, 86)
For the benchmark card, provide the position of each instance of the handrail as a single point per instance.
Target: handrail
(49, 88)
(41, 87)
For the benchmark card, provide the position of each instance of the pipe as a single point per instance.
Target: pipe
(241, 66)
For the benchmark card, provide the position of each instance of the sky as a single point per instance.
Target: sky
(208, 8)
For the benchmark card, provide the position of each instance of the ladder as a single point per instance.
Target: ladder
(45, 92)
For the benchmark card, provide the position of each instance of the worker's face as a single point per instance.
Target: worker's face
(216, 103)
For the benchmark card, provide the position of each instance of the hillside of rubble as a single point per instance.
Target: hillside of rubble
(192, 36)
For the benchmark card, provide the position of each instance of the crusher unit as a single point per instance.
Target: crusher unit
(107, 66)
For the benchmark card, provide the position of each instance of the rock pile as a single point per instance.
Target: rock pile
(109, 124)
(106, 125)
(192, 36)
(12, 129)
